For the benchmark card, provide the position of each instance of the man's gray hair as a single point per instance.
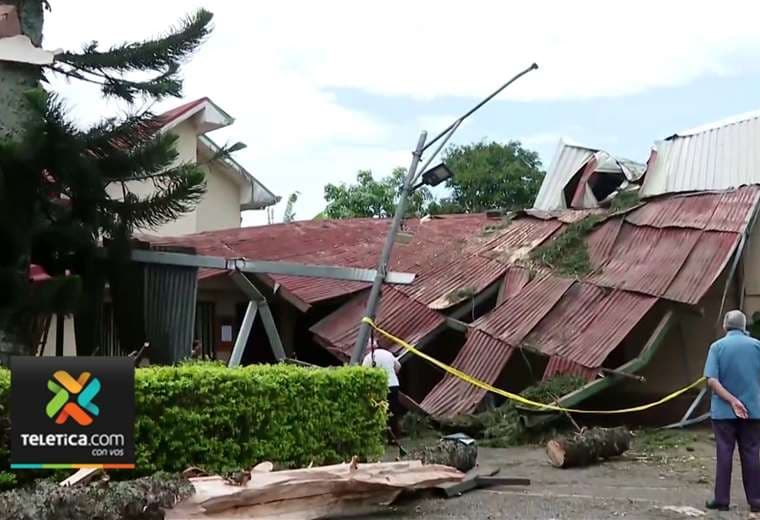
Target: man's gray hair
(735, 320)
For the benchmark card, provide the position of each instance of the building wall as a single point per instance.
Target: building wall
(750, 271)
(220, 207)
(187, 149)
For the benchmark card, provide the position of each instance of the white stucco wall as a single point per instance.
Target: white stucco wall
(220, 207)
(187, 150)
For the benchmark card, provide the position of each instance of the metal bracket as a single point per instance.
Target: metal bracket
(267, 319)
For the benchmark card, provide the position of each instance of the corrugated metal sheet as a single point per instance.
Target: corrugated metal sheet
(348, 243)
(514, 281)
(614, 319)
(735, 210)
(568, 160)
(560, 366)
(601, 241)
(725, 211)
(646, 259)
(715, 157)
(516, 241)
(572, 314)
(513, 320)
(398, 313)
(481, 357)
(566, 216)
(170, 296)
(455, 282)
(706, 261)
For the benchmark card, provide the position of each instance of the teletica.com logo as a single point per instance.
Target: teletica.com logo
(73, 398)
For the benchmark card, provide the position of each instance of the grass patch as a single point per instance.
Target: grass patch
(652, 440)
(567, 255)
(625, 200)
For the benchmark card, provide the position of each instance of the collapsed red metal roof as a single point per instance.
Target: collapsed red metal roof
(670, 249)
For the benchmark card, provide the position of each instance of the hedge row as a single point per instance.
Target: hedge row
(221, 419)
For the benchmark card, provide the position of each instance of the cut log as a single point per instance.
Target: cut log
(461, 454)
(588, 446)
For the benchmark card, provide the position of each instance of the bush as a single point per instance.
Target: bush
(222, 419)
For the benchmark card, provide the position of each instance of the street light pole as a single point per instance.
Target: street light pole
(374, 295)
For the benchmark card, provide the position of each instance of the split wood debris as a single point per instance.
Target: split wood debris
(310, 493)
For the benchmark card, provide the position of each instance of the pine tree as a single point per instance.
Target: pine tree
(54, 205)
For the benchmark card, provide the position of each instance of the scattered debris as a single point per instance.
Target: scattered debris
(139, 499)
(588, 446)
(478, 478)
(689, 511)
(311, 493)
(83, 476)
(501, 427)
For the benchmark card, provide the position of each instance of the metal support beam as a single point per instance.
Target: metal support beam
(256, 296)
(265, 267)
(242, 338)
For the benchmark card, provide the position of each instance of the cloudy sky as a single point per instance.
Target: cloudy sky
(322, 89)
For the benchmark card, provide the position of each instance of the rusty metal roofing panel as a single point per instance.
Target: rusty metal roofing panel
(646, 259)
(735, 210)
(559, 366)
(601, 240)
(567, 319)
(517, 240)
(455, 282)
(612, 322)
(514, 319)
(566, 216)
(348, 243)
(706, 261)
(514, 281)
(692, 211)
(481, 357)
(397, 314)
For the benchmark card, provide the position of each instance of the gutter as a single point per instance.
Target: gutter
(532, 418)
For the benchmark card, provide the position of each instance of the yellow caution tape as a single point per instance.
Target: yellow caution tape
(516, 397)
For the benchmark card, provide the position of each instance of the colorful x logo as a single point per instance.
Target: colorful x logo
(85, 390)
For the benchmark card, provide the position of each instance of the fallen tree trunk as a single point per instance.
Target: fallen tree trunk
(310, 493)
(588, 446)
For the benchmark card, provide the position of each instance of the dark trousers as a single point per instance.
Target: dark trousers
(745, 433)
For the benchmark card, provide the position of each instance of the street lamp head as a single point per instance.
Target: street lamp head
(436, 175)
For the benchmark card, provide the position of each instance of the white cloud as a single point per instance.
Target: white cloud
(273, 65)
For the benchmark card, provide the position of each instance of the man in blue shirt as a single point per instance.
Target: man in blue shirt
(733, 374)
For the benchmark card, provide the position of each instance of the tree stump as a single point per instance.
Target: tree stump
(448, 452)
(588, 446)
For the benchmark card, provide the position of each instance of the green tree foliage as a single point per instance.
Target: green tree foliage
(62, 189)
(373, 198)
(54, 205)
(490, 175)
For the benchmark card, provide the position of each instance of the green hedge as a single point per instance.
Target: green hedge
(222, 419)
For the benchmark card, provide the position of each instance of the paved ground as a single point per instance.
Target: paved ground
(641, 485)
